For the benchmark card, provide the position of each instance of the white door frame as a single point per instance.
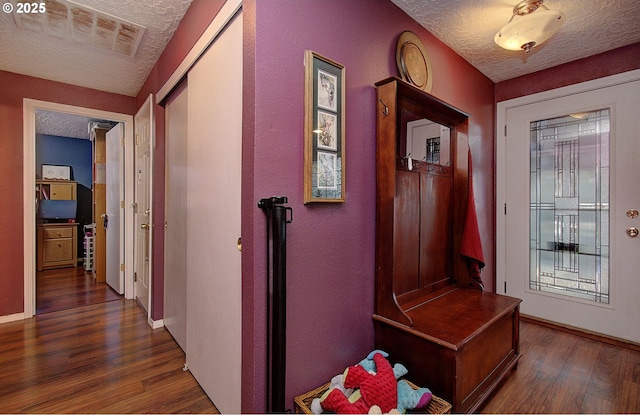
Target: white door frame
(501, 146)
(29, 176)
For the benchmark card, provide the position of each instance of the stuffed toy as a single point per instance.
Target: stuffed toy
(334, 400)
(373, 389)
(409, 398)
(375, 410)
(335, 383)
(379, 391)
(376, 389)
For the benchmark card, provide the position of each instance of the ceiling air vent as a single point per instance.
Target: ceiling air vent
(67, 20)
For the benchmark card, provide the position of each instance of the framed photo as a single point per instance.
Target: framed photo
(327, 137)
(324, 140)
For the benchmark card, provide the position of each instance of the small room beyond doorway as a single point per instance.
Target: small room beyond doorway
(66, 175)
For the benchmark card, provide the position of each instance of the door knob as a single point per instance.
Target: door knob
(144, 226)
(632, 232)
(239, 244)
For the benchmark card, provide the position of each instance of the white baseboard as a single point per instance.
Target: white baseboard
(11, 317)
(155, 324)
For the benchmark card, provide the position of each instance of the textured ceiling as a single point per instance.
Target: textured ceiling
(35, 54)
(468, 27)
(67, 125)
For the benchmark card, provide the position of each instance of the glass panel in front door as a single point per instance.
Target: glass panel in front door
(569, 206)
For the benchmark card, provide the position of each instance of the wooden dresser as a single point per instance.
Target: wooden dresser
(430, 315)
(57, 245)
(57, 241)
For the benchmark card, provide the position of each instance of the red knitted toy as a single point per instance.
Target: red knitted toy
(377, 389)
(336, 401)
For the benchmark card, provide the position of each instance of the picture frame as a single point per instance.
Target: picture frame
(324, 129)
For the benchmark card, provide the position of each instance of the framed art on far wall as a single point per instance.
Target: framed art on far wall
(324, 140)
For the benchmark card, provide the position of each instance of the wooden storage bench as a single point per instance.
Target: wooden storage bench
(431, 314)
(462, 343)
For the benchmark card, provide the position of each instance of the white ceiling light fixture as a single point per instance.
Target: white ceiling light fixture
(528, 26)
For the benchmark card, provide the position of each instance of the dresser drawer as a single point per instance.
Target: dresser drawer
(58, 232)
(58, 250)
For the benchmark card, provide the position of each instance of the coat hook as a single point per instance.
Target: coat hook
(420, 161)
(385, 111)
(407, 161)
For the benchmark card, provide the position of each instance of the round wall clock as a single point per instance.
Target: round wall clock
(413, 62)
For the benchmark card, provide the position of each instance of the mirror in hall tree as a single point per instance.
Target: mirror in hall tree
(427, 141)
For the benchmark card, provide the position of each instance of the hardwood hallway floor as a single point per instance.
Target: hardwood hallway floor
(63, 288)
(105, 358)
(99, 358)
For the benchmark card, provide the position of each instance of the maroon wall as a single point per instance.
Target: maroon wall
(14, 89)
(330, 258)
(613, 62)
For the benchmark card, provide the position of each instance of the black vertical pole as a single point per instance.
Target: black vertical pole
(276, 300)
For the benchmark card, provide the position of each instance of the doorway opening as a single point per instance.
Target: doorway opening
(34, 235)
(67, 154)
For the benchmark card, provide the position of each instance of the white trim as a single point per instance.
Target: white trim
(155, 324)
(29, 176)
(501, 146)
(223, 17)
(12, 317)
(142, 111)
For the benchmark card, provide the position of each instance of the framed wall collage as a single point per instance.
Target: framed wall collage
(324, 161)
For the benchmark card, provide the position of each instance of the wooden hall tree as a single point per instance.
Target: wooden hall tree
(430, 314)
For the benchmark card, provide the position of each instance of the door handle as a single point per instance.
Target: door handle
(144, 226)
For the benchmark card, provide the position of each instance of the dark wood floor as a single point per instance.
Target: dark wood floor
(102, 357)
(105, 358)
(64, 288)
(565, 373)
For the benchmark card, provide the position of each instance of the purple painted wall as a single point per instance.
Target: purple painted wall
(330, 258)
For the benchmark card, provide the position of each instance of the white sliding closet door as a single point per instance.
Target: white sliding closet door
(214, 155)
(175, 231)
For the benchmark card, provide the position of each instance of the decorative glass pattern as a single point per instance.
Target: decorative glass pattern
(569, 206)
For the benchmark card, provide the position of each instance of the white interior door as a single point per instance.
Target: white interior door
(175, 232)
(570, 170)
(115, 208)
(214, 159)
(143, 196)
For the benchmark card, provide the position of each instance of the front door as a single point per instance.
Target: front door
(571, 202)
(143, 213)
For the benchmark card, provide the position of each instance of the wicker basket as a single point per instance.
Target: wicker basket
(303, 402)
